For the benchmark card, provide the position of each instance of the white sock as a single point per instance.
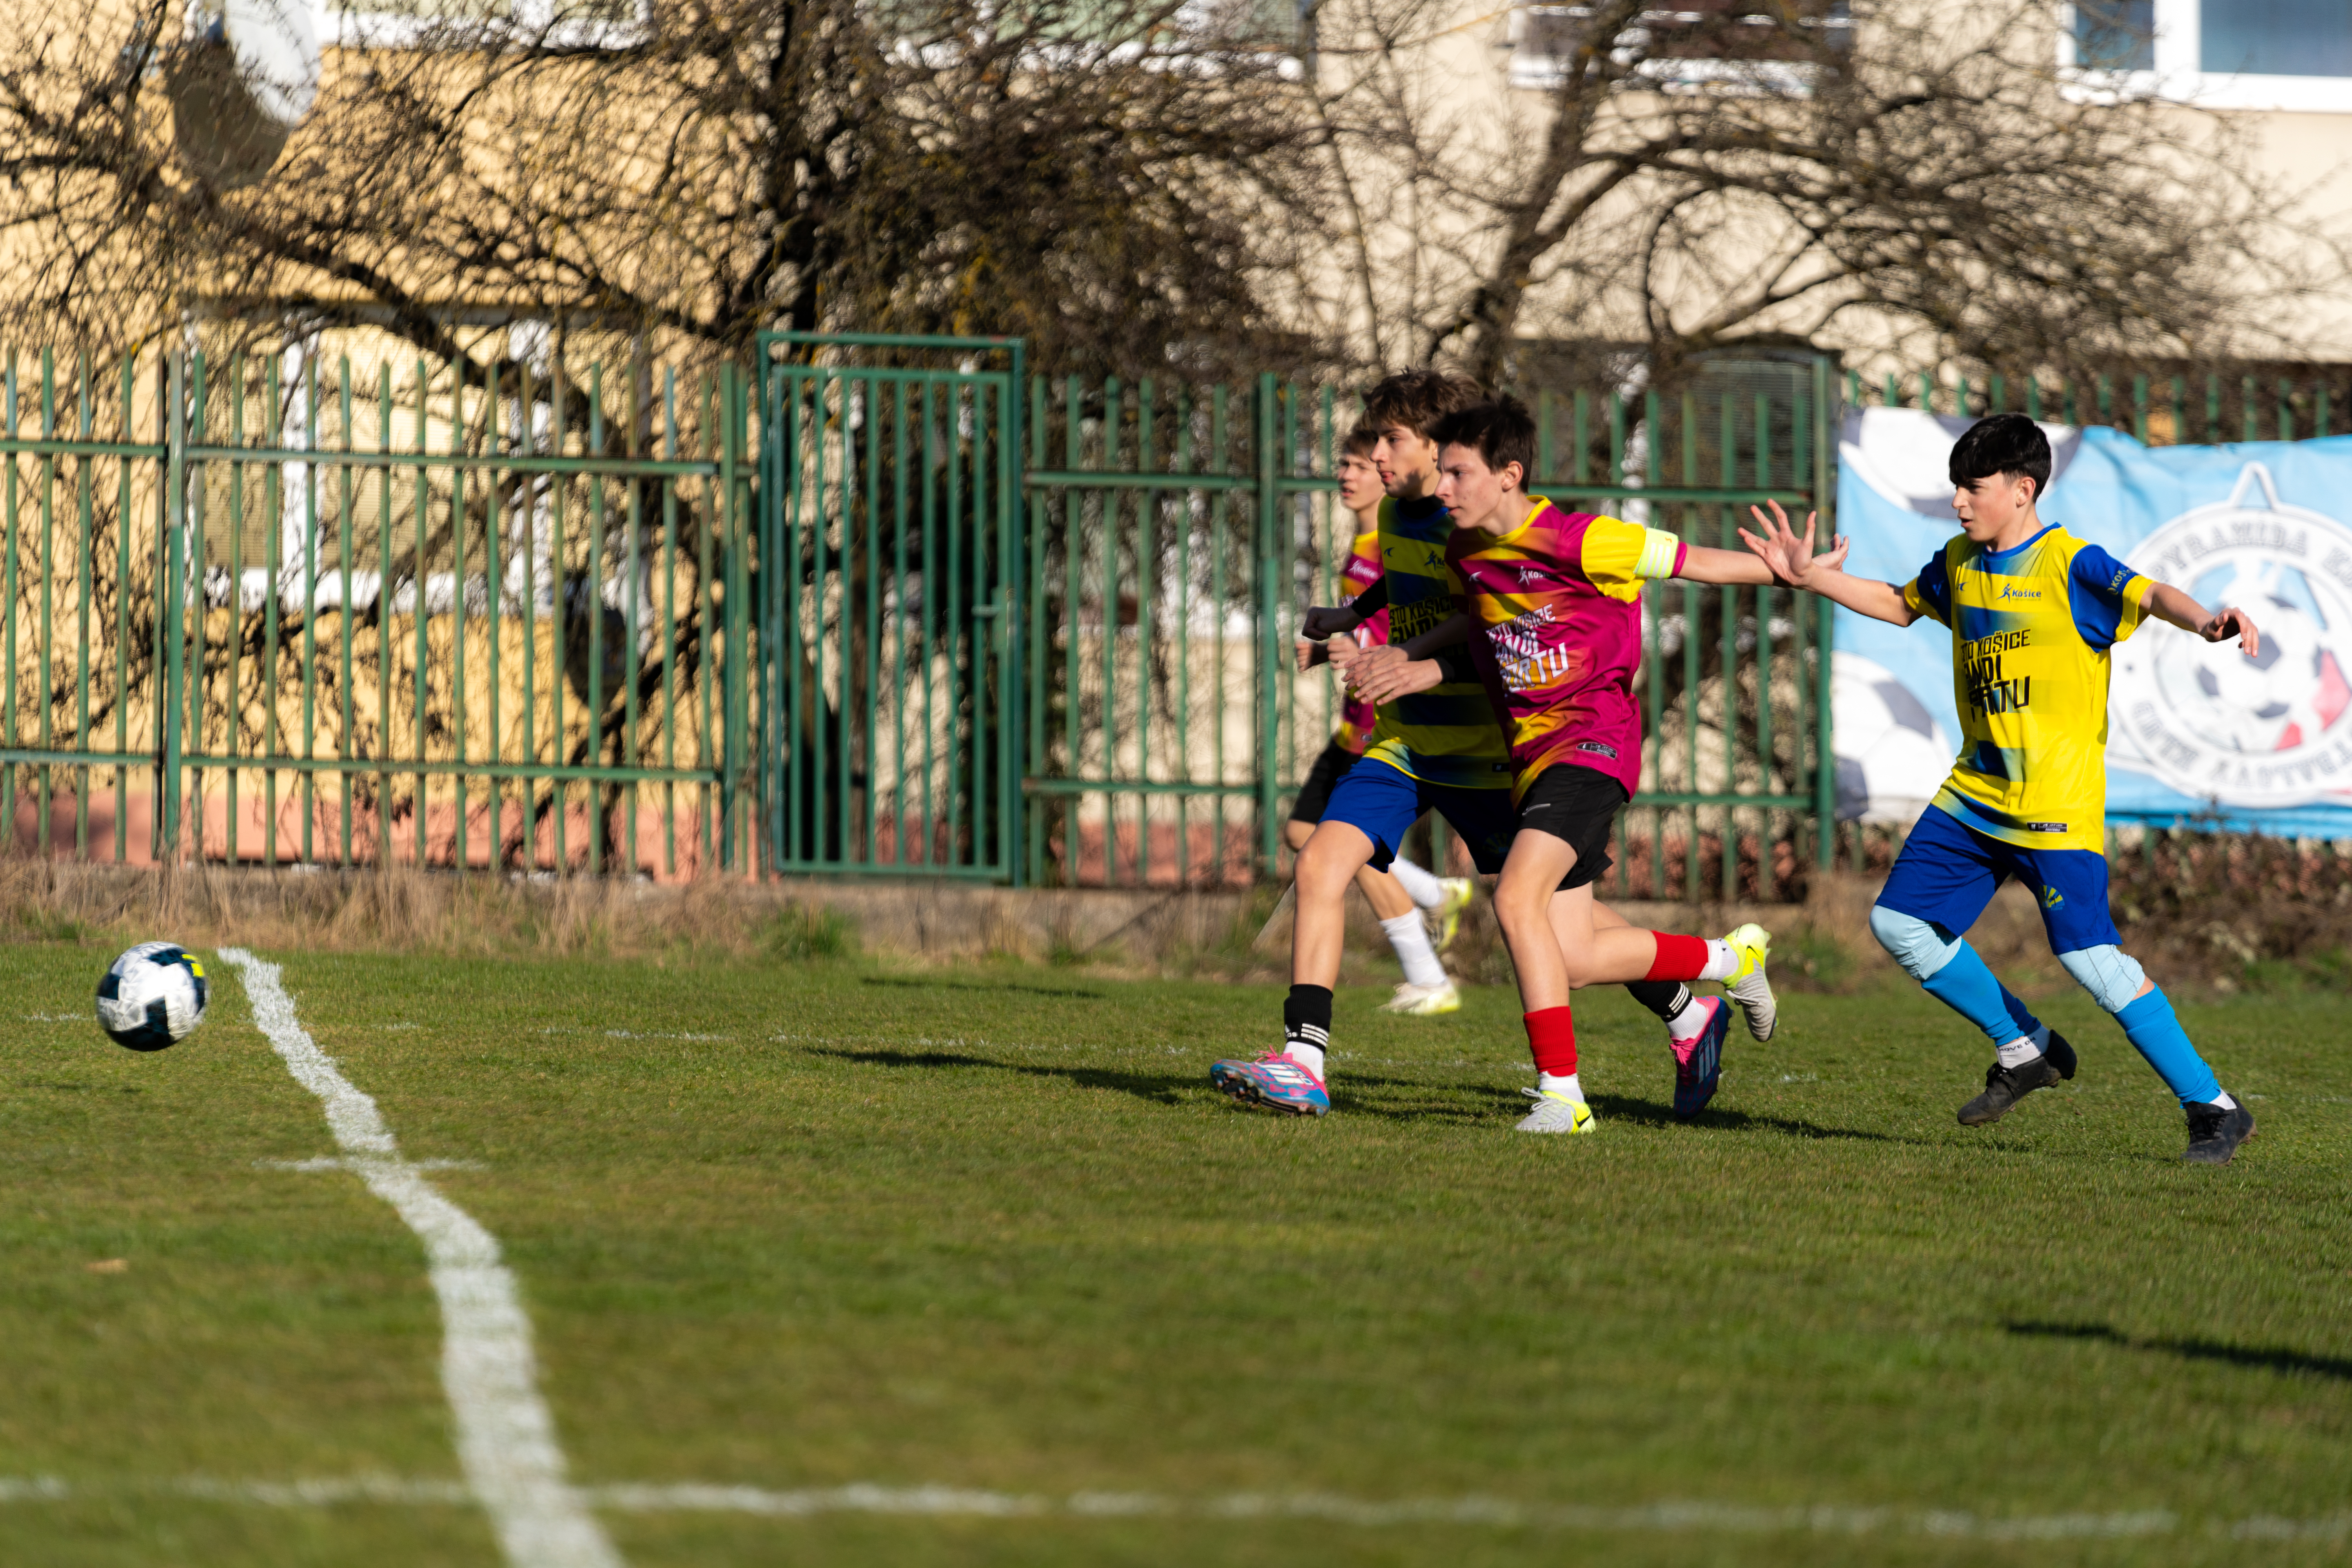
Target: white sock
(2019, 1052)
(1722, 960)
(2041, 1038)
(1563, 1084)
(1306, 1056)
(1687, 1023)
(1411, 940)
(1425, 890)
(2224, 1101)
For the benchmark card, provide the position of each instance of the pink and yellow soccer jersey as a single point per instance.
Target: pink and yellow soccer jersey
(2031, 630)
(1558, 600)
(1358, 716)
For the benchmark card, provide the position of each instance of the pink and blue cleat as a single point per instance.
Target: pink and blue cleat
(1698, 1062)
(1277, 1081)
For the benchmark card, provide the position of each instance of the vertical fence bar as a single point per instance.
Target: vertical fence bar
(1816, 413)
(1267, 627)
(174, 601)
(122, 613)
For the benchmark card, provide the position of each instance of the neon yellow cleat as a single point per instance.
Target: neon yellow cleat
(1750, 987)
(1445, 920)
(1555, 1113)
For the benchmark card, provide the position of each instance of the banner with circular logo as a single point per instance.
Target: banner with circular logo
(2197, 732)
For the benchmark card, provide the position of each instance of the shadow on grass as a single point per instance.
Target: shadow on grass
(2193, 1350)
(1157, 1088)
(1650, 1113)
(1488, 1103)
(966, 986)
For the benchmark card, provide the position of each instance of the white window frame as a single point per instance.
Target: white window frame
(342, 25)
(2179, 35)
(1777, 78)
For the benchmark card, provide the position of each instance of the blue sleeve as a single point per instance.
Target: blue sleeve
(1930, 592)
(2105, 595)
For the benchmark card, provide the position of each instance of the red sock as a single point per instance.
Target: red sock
(1551, 1035)
(1679, 957)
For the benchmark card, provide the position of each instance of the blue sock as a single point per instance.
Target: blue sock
(2025, 1021)
(2155, 1031)
(1965, 986)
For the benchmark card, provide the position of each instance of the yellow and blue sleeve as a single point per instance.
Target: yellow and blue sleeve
(2109, 600)
(1930, 592)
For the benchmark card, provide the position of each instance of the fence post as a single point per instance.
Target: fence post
(730, 766)
(175, 510)
(1013, 677)
(1269, 630)
(1824, 752)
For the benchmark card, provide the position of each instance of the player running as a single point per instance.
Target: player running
(1403, 894)
(1441, 748)
(1550, 603)
(2032, 611)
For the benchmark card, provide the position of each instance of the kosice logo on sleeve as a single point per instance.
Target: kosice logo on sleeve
(2203, 717)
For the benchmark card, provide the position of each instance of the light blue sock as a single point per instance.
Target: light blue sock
(2155, 1031)
(1965, 986)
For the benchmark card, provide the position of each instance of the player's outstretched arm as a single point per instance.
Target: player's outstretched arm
(1701, 565)
(1788, 556)
(2168, 602)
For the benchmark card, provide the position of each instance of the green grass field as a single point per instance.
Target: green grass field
(804, 1227)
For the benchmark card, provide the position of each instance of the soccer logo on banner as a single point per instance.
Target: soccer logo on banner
(2197, 732)
(2202, 717)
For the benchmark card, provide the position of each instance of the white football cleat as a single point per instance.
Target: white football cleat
(1555, 1113)
(1424, 1001)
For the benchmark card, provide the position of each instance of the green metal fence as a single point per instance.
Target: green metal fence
(327, 617)
(876, 606)
(1170, 533)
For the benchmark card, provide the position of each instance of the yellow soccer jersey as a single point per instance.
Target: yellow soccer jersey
(1448, 734)
(2031, 630)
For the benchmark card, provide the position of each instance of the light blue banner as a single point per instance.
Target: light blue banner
(2197, 733)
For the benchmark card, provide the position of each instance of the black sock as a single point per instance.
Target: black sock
(1664, 997)
(1306, 1017)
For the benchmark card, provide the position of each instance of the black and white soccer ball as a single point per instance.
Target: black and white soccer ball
(152, 996)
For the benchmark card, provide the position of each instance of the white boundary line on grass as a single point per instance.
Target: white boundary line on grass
(1682, 1517)
(506, 1439)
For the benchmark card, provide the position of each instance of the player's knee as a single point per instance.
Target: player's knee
(1919, 946)
(1522, 907)
(1326, 865)
(2111, 975)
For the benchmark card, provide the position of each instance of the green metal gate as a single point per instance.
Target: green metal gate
(889, 561)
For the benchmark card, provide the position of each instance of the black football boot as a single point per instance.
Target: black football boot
(2004, 1087)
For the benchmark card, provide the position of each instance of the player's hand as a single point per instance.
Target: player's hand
(1788, 553)
(2223, 625)
(1325, 621)
(1384, 674)
(1309, 654)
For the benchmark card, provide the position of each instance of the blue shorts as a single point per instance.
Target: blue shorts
(1383, 802)
(1948, 872)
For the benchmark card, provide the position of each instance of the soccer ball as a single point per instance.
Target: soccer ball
(152, 996)
(1891, 756)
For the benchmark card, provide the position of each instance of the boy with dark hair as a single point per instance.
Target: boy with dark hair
(1551, 603)
(1439, 748)
(1402, 894)
(2032, 613)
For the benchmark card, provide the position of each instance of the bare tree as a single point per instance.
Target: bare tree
(1911, 176)
(1093, 175)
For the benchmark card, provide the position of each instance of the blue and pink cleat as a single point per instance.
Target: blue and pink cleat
(1277, 1080)
(1698, 1062)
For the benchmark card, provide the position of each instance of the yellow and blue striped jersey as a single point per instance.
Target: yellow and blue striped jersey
(1448, 734)
(2031, 630)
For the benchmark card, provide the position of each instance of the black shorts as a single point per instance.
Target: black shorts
(1577, 805)
(1315, 795)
